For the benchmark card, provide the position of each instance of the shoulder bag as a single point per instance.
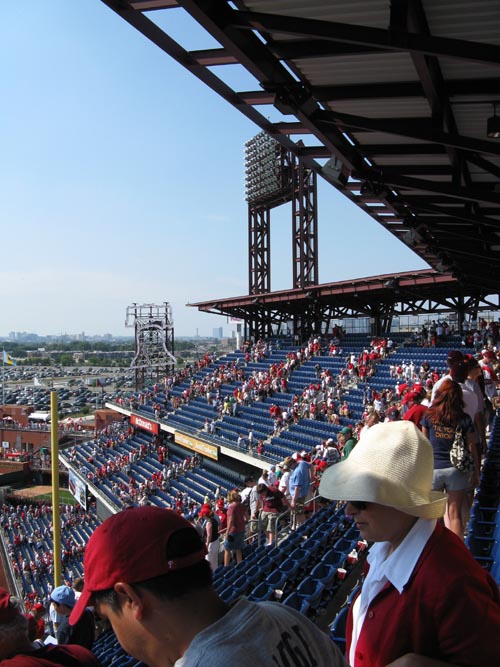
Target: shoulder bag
(460, 456)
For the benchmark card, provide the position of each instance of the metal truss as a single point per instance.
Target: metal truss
(259, 249)
(154, 342)
(411, 141)
(305, 227)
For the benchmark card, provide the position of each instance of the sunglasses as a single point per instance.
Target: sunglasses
(358, 504)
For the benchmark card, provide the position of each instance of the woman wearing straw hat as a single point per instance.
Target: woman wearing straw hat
(425, 601)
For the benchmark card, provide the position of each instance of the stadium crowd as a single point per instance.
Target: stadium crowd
(280, 497)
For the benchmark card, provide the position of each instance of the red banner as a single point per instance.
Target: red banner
(145, 424)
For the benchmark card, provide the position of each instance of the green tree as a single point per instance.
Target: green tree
(66, 360)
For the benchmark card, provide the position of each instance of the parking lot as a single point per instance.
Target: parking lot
(78, 389)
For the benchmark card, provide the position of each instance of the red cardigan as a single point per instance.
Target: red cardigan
(449, 610)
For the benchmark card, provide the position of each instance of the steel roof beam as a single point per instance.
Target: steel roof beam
(391, 40)
(317, 48)
(400, 89)
(410, 130)
(374, 150)
(446, 189)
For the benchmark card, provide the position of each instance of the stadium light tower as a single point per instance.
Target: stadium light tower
(154, 342)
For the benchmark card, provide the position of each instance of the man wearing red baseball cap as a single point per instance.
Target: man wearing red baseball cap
(17, 650)
(145, 571)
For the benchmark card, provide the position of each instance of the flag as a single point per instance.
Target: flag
(100, 384)
(7, 359)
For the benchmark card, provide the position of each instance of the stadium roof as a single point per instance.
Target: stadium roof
(398, 93)
(407, 293)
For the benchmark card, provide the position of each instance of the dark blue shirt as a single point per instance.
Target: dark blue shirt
(442, 437)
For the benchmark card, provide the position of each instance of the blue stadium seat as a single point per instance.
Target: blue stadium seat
(338, 628)
(296, 602)
(262, 592)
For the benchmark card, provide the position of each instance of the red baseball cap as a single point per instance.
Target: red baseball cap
(7, 611)
(131, 546)
(409, 396)
(205, 510)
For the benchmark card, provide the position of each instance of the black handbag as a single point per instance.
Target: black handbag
(460, 456)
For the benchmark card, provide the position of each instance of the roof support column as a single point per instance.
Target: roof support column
(259, 249)
(305, 227)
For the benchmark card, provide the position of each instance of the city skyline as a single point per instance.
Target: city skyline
(122, 180)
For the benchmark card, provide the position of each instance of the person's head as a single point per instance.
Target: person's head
(489, 356)
(346, 432)
(205, 511)
(388, 479)
(458, 371)
(141, 554)
(290, 463)
(453, 357)
(262, 488)
(249, 481)
(373, 418)
(474, 369)
(78, 584)
(234, 497)
(13, 626)
(409, 398)
(63, 598)
(448, 404)
(39, 610)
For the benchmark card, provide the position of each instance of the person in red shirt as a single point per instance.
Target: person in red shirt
(425, 601)
(36, 622)
(236, 525)
(415, 410)
(273, 503)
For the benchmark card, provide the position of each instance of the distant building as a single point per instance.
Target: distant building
(217, 332)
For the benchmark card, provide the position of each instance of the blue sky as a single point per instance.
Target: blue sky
(122, 180)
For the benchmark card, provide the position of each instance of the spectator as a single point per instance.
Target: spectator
(165, 611)
(77, 586)
(350, 442)
(454, 357)
(36, 622)
(299, 486)
(264, 478)
(372, 419)
(272, 506)
(425, 601)
(415, 410)
(210, 535)
(17, 650)
(439, 424)
(331, 453)
(83, 633)
(235, 532)
(474, 373)
(284, 482)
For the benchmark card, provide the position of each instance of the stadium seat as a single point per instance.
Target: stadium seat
(297, 602)
(338, 628)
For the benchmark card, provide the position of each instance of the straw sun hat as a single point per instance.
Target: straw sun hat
(391, 465)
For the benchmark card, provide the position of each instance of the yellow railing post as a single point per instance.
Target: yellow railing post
(56, 517)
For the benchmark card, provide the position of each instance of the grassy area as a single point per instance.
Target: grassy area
(64, 497)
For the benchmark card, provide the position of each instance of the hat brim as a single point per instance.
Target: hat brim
(343, 481)
(82, 603)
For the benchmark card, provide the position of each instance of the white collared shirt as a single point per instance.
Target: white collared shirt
(395, 568)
